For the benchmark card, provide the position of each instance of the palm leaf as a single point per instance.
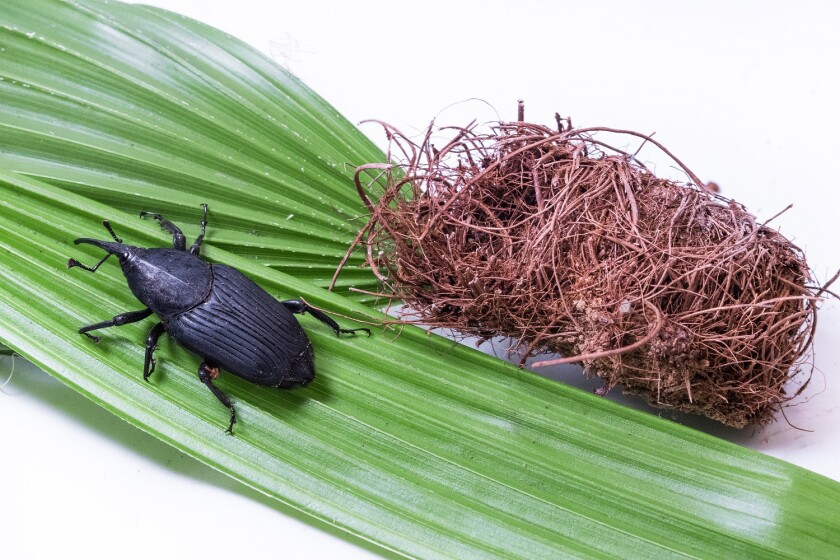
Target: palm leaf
(419, 445)
(139, 109)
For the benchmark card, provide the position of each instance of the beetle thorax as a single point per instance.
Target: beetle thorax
(166, 280)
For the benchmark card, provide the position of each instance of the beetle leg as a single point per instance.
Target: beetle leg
(119, 320)
(196, 247)
(179, 242)
(206, 374)
(301, 307)
(151, 346)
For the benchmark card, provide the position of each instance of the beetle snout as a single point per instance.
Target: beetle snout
(111, 247)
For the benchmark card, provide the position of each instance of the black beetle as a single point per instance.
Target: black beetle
(214, 311)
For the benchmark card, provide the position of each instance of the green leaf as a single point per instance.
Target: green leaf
(420, 445)
(141, 109)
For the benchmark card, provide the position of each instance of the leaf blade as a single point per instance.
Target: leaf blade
(460, 456)
(141, 110)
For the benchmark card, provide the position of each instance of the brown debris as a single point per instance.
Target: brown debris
(573, 247)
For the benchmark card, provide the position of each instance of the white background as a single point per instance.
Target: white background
(745, 94)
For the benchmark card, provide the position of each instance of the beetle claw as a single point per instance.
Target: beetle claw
(229, 430)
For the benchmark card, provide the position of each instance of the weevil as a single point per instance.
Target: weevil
(214, 311)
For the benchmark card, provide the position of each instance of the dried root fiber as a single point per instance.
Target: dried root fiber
(572, 247)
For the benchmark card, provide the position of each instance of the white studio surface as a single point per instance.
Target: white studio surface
(745, 94)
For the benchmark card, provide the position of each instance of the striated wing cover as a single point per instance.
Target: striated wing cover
(244, 330)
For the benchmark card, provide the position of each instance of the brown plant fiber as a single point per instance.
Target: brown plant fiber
(572, 247)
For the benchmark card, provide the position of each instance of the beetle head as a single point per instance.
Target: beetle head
(115, 247)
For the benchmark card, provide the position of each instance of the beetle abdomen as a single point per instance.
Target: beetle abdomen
(244, 330)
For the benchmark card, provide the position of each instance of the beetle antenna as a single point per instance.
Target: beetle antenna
(107, 225)
(73, 263)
